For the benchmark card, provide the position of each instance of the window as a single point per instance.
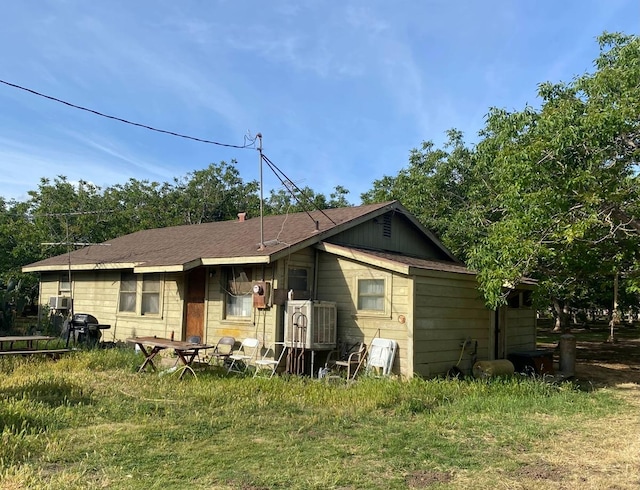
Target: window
(150, 295)
(128, 292)
(297, 279)
(371, 294)
(140, 296)
(239, 292)
(514, 300)
(64, 284)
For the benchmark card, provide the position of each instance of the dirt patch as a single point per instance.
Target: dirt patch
(541, 471)
(424, 479)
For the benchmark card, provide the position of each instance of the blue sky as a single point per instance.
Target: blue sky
(340, 90)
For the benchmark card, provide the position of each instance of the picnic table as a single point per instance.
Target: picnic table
(30, 348)
(186, 351)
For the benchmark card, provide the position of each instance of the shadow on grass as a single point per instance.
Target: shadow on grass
(53, 393)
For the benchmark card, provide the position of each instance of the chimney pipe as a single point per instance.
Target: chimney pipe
(241, 217)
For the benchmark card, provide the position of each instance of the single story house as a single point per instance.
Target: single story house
(385, 274)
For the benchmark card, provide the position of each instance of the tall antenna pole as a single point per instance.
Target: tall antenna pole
(66, 224)
(259, 136)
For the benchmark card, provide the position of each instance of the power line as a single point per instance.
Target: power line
(150, 128)
(278, 173)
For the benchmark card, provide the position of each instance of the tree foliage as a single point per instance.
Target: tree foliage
(61, 215)
(548, 192)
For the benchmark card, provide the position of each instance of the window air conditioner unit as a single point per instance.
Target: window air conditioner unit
(59, 302)
(311, 325)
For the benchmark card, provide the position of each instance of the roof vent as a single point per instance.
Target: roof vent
(242, 216)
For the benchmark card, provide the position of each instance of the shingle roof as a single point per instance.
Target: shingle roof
(183, 247)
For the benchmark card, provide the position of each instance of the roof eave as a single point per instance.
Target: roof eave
(79, 267)
(349, 253)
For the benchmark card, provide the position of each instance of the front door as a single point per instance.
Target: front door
(196, 288)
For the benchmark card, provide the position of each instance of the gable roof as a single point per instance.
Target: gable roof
(180, 248)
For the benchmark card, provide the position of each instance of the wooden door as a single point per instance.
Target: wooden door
(194, 311)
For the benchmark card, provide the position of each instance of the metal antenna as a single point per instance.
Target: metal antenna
(261, 247)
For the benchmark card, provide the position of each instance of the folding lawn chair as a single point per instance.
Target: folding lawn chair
(241, 358)
(270, 359)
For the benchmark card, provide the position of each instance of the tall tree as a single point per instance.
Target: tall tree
(563, 180)
(216, 193)
(549, 192)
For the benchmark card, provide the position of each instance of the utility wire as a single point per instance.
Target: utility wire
(279, 172)
(249, 145)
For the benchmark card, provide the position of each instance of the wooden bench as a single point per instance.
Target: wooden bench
(30, 352)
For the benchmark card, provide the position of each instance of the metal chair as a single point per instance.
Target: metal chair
(222, 350)
(270, 359)
(193, 339)
(241, 358)
(353, 362)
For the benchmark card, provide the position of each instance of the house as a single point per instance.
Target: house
(385, 273)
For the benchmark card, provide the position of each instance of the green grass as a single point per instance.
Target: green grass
(89, 420)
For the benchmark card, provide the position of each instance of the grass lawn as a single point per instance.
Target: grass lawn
(90, 421)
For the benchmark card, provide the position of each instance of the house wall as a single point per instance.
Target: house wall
(97, 293)
(265, 324)
(448, 310)
(337, 281)
(521, 329)
(392, 232)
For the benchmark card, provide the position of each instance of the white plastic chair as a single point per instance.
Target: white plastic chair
(241, 358)
(270, 359)
(382, 352)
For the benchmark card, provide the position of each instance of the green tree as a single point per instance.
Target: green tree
(563, 181)
(550, 192)
(216, 193)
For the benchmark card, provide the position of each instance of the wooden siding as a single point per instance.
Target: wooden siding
(521, 329)
(403, 237)
(447, 311)
(97, 293)
(263, 324)
(337, 281)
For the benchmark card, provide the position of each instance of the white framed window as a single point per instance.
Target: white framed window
(140, 294)
(371, 295)
(239, 293)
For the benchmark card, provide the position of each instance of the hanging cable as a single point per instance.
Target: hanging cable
(249, 142)
(279, 172)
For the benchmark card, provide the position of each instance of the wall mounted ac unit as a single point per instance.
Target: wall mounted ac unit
(311, 325)
(59, 302)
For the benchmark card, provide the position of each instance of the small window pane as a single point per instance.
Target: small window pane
(239, 305)
(150, 295)
(371, 294)
(150, 303)
(297, 279)
(64, 283)
(127, 301)
(127, 292)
